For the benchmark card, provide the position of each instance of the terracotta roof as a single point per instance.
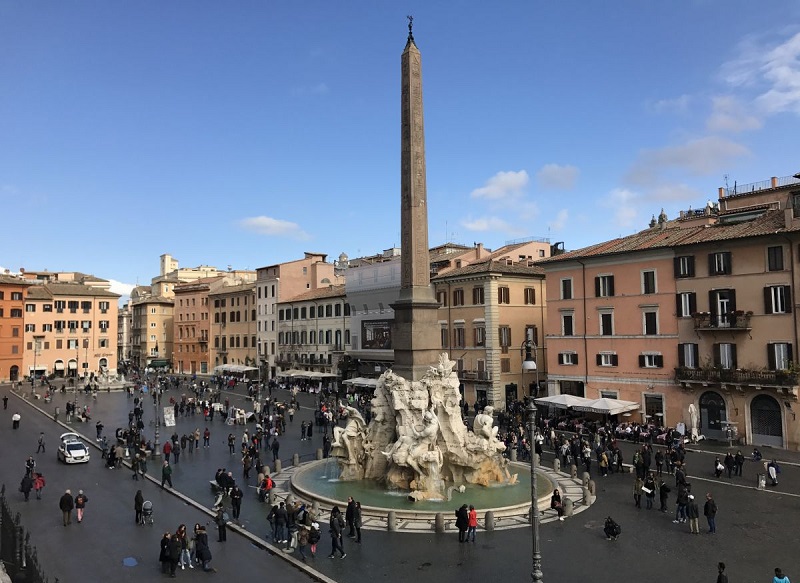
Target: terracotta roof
(333, 291)
(12, 280)
(233, 289)
(50, 290)
(492, 266)
(673, 235)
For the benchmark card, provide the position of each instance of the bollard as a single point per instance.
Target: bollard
(488, 521)
(592, 488)
(265, 470)
(271, 495)
(514, 455)
(588, 499)
(585, 478)
(573, 471)
(761, 481)
(315, 508)
(568, 507)
(556, 465)
(277, 466)
(538, 459)
(319, 454)
(391, 521)
(438, 523)
(296, 459)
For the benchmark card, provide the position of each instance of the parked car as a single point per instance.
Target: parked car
(72, 450)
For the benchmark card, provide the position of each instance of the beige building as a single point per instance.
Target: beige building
(124, 333)
(275, 283)
(490, 310)
(151, 329)
(698, 311)
(314, 330)
(70, 329)
(233, 324)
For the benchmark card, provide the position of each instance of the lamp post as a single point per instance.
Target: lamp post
(536, 556)
(156, 402)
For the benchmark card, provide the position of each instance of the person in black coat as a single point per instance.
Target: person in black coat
(201, 550)
(462, 523)
(26, 485)
(138, 504)
(174, 547)
(163, 556)
(236, 501)
(349, 515)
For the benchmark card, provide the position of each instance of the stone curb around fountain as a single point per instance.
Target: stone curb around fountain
(416, 522)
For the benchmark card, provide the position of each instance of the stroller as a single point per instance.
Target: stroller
(147, 512)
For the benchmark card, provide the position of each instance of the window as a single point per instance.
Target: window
(47, 308)
(30, 308)
(337, 310)
(458, 297)
(47, 327)
(775, 258)
(328, 311)
(530, 296)
(477, 296)
(604, 286)
(607, 359)
(685, 304)
(607, 323)
(504, 334)
(648, 282)
(16, 296)
(567, 324)
(30, 327)
(688, 355)
(15, 332)
(651, 360)
(568, 358)
(72, 344)
(505, 365)
(303, 313)
(459, 338)
(60, 305)
(532, 333)
(779, 355)
(650, 322)
(441, 297)
(566, 289)
(609, 395)
(480, 336)
(102, 343)
(503, 295)
(16, 313)
(445, 334)
(777, 299)
(725, 356)
(719, 263)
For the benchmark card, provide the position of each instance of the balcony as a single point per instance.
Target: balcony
(756, 378)
(475, 375)
(734, 321)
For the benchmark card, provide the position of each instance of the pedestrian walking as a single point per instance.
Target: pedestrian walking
(38, 485)
(163, 555)
(780, 577)
(15, 418)
(185, 558)
(721, 576)
(276, 447)
(25, 486)
(80, 505)
(663, 494)
(174, 554)
(303, 536)
(66, 504)
(40, 447)
(99, 428)
(30, 465)
(166, 474)
(5, 402)
(348, 517)
(357, 521)
(693, 514)
(303, 431)
(138, 507)
(710, 512)
(222, 520)
(336, 528)
(472, 523)
(638, 484)
(236, 501)
(206, 437)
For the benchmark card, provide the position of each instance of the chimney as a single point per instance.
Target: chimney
(478, 250)
(774, 180)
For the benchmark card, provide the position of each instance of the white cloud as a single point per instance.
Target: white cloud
(770, 70)
(698, 157)
(560, 221)
(486, 224)
(503, 185)
(274, 227)
(623, 202)
(121, 288)
(672, 192)
(678, 104)
(557, 177)
(728, 114)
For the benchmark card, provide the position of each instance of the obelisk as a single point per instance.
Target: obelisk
(415, 332)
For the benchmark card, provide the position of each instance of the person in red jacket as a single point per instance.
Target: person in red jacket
(472, 523)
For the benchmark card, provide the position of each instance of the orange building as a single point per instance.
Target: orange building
(12, 305)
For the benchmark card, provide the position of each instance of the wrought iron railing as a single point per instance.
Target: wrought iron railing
(738, 376)
(737, 320)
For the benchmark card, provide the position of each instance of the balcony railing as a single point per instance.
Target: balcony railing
(475, 375)
(739, 377)
(737, 320)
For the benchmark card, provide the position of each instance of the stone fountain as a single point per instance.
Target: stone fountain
(417, 441)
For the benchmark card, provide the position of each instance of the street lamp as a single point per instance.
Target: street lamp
(156, 402)
(530, 362)
(536, 555)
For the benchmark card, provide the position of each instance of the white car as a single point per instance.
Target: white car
(72, 450)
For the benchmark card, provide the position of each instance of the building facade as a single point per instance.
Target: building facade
(192, 325)
(234, 324)
(696, 313)
(12, 340)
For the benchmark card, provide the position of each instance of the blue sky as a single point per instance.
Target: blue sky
(245, 133)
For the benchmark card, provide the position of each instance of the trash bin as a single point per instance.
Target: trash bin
(762, 481)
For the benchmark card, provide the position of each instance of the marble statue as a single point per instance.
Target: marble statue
(417, 440)
(693, 418)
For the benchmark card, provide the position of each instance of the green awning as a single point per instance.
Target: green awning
(158, 363)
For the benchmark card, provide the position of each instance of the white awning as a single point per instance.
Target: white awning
(361, 382)
(58, 365)
(235, 368)
(607, 406)
(72, 365)
(561, 401)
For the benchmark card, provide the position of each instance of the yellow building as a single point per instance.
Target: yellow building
(233, 325)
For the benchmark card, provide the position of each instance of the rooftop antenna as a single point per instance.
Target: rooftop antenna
(725, 177)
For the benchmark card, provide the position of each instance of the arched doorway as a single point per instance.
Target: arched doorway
(14, 373)
(58, 368)
(713, 414)
(766, 422)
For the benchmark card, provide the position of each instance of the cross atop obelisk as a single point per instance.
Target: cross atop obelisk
(415, 339)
